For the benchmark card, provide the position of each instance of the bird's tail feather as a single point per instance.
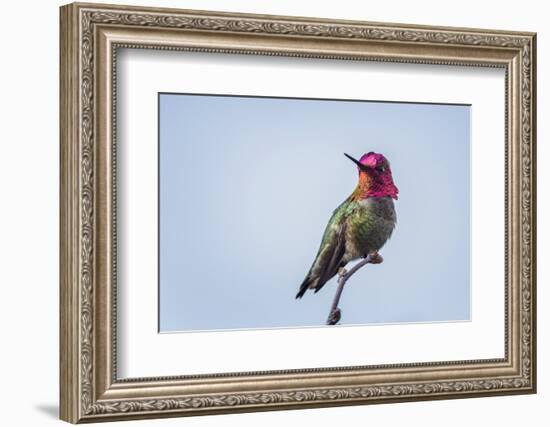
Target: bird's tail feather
(306, 284)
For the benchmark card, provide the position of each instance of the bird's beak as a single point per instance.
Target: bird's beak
(357, 162)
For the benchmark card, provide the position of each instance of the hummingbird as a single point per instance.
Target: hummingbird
(360, 226)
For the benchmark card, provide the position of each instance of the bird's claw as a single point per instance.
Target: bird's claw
(376, 258)
(342, 271)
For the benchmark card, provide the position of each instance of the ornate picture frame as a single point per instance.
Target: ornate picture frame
(90, 37)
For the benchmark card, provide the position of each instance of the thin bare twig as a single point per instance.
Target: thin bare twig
(335, 313)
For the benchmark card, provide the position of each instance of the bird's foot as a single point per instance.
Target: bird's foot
(334, 317)
(342, 272)
(376, 258)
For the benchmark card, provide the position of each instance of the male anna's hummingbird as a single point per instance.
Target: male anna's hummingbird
(360, 226)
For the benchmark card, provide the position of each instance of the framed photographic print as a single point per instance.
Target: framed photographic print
(267, 212)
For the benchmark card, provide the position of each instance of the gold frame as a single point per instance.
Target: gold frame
(90, 35)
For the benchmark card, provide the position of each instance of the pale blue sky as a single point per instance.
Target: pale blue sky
(247, 186)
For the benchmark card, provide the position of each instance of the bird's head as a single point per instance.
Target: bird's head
(375, 176)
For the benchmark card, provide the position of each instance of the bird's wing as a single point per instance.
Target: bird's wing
(330, 254)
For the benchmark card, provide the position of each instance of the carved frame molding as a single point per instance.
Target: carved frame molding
(90, 36)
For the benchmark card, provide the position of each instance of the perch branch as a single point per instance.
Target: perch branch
(335, 313)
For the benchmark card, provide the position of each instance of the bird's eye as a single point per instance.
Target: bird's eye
(380, 168)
